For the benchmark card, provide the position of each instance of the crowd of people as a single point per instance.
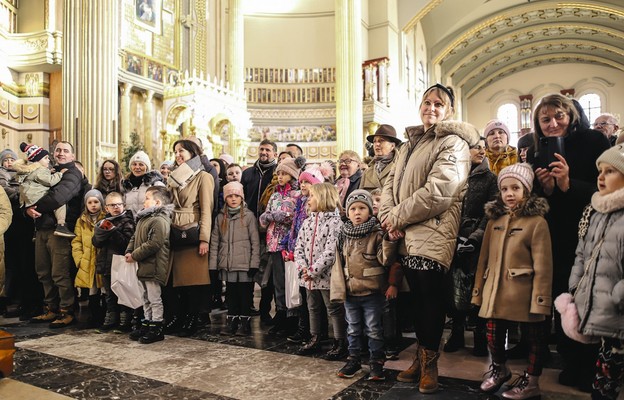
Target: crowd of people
(448, 224)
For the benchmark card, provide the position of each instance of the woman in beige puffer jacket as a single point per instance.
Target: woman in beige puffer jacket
(421, 208)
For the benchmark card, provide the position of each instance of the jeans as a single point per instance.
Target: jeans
(364, 315)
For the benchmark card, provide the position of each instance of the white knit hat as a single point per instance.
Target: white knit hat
(613, 156)
(142, 157)
(522, 172)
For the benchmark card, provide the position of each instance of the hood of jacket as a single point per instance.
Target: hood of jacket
(22, 167)
(165, 210)
(533, 206)
(464, 130)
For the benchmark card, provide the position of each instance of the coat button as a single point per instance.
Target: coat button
(540, 300)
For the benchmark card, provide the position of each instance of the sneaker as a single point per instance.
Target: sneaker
(48, 315)
(352, 366)
(392, 354)
(64, 319)
(498, 375)
(376, 371)
(61, 230)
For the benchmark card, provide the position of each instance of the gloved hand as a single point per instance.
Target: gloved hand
(288, 255)
(106, 225)
(280, 216)
(268, 216)
(252, 272)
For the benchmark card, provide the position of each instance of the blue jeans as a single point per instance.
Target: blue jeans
(364, 315)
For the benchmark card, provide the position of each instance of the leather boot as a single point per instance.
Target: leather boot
(412, 374)
(525, 387)
(190, 325)
(245, 322)
(231, 325)
(429, 371)
(339, 350)
(279, 324)
(312, 347)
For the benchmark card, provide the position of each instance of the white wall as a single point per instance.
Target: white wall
(584, 78)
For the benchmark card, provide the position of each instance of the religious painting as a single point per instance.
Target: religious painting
(154, 71)
(134, 64)
(148, 15)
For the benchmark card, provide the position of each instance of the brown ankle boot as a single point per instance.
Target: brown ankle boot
(429, 371)
(412, 374)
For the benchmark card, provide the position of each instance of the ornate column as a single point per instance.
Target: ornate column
(90, 40)
(349, 92)
(148, 118)
(236, 54)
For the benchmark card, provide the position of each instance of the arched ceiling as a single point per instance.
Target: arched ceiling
(477, 42)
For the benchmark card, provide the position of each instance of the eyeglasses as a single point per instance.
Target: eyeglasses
(114, 205)
(603, 124)
(346, 161)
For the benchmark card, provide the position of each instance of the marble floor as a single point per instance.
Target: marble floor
(78, 363)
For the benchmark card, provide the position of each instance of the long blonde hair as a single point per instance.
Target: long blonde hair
(326, 195)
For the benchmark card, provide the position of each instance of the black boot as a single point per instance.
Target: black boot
(173, 325)
(456, 340)
(96, 312)
(302, 334)
(245, 323)
(312, 347)
(338, 351)
(190, 325)
(140, 331)
(154, 334)
(231, 325)
(279, 324)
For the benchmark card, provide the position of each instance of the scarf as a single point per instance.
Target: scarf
(285, 190)
(135, 181)
(232, 211)
(382, 162)
(183, 174)
(264, 167)
(350, 231)
(342, 185)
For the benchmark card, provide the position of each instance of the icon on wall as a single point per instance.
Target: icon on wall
(148, 15)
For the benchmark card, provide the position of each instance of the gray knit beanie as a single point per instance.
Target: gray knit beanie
(361, 195)
(613, 156)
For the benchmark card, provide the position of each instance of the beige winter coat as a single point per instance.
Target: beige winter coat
(6, 215)
(193, 203)
(371, 180)
(423, 193)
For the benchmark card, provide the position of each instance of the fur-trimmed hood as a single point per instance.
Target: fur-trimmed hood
(609, 202)
(149, 179)
(464, 130)
(533, 206)
(166, 210)
(24, 168)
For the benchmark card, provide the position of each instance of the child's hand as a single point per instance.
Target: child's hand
(129, 258)
(392, 292)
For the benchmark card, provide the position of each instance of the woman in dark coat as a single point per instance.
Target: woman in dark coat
(568, 185)
(482, 188)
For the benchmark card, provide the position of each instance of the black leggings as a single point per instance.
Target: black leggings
(427, 293)
(239, 297)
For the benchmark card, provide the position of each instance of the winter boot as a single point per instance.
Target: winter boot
(245, 322)
(412, 374)
(173, 325)
(338, 351)
(65, 318)
(349, 370)
(190, 325)
(525, 387)
(498, 375)
(125, 322)
(279, 324)
(49, 315)
(141, 330)
(154, 334)
(63, 231)
(313, 346)
(456, 340)
(376, 371)
(231, 325)
(110, 322)
(429, 371)
(96, 312)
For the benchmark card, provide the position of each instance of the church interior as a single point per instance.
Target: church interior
(324, 74)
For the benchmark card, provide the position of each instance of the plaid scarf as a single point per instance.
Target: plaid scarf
(351, 231)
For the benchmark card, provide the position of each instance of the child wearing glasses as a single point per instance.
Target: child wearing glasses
(111, 236)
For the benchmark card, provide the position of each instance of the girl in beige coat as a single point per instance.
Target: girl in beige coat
(192, 189)
(514, 277)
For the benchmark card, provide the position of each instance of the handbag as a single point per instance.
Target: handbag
(293, 295)
(125, 282)
(184, 235)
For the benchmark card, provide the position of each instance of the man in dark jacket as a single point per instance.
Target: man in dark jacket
(256, 178)
(53, 254)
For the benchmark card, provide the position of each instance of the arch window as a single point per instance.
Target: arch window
(591, 105)
(508, 113)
